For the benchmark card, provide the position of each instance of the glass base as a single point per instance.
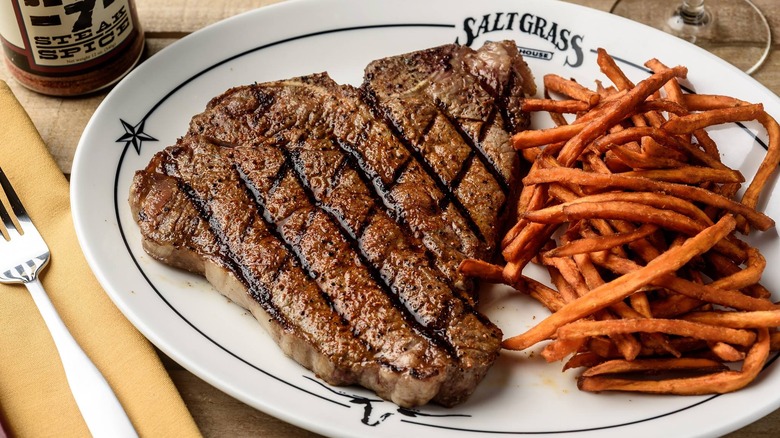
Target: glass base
(734, 30)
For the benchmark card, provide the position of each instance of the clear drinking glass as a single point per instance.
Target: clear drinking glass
(734, 30)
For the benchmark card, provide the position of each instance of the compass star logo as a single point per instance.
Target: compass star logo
(134, 135)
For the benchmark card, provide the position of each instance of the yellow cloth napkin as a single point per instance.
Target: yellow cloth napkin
(35, 400)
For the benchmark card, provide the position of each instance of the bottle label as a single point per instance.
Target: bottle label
(66, 35)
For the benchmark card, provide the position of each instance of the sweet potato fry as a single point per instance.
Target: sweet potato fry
(706, 143)
(757, 219)
(559, 349)
(768, 165)
(635, 134)
(629, 211)
(482, 270)
(568, 87)
(656, 150)
(587, 359)
(691, 122)
(678, 327)
(658, 200)
(600, 243)
(672, 88)
(569, 277)
(711, 294)
(566, 289)
(654, 366)
(665, 105)
(716, 383)
(740, 278)
(690, 175)
(705, 102)
(674, 305)
(774, 339)
(531, 139)
(554, 106)
(726, 352)
(760, 318)
(612, 71)
(529, 238)
(642, 160)
(625, 285)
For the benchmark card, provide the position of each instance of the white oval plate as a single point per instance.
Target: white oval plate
(221, 343)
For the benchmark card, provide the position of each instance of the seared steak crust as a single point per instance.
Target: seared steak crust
(339, 220)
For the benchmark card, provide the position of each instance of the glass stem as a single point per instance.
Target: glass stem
(693, 13)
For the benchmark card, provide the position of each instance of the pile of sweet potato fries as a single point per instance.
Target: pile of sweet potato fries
(634, 215)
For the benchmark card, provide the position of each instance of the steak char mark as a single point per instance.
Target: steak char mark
(339, 215)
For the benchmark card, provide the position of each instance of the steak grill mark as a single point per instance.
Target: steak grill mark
(486, 161)
(258, 291)
(503, 101)
(380, 193)
(448, 190)
(351, 236)
(353, 159)
(261, 293)
(478, 152)
(254, 194)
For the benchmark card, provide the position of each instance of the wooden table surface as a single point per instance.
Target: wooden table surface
(61, 122)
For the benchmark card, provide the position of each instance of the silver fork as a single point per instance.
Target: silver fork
(22, 257)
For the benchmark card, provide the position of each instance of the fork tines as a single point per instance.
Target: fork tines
(16, 206)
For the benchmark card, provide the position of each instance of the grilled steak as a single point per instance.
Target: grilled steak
(339, 215)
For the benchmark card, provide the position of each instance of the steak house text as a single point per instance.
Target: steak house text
(563, 39)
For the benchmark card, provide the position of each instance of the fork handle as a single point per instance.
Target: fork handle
(98, 404)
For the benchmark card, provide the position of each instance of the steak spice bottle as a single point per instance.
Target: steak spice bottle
(70, 47)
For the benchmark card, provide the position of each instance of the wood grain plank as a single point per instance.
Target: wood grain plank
(185, 16)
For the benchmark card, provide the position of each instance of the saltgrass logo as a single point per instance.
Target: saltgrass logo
(561, 39)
